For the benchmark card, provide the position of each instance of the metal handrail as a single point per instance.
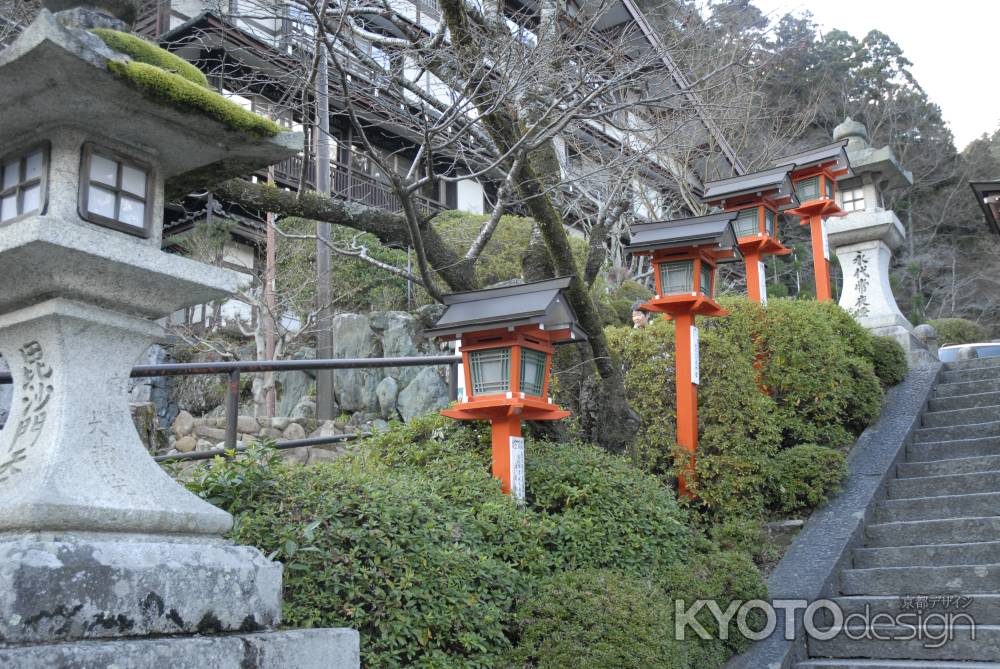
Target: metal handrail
(234, 368)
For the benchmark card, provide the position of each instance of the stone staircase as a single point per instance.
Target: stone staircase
(936, 534)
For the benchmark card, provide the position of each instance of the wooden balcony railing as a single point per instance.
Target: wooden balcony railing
(352, 186)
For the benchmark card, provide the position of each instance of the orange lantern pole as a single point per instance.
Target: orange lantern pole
(756, 199)
(507, 340)
(685, 256)
(815, 174)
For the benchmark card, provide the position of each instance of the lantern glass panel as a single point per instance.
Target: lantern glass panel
(490, 370)
(807, 189)
(22, 184)
(33, 165)
(101, 201)
(853, 199)
(103, 170)
(8, 207)
(677, 277)
(11, 173)
(31, 197)
(706, 279)
(746, 223)
(532, 371)
(769, 220)
(828, 187)
(116, 191)
(133, 181)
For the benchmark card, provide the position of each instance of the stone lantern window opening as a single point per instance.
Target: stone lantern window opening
(116, 191)
(24, 183)
(853, 199)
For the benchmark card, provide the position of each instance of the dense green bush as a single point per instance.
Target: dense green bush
(958, 331)
(803, 476)
(598, 619)
(889, 360)
(813, 362)
(409, 540)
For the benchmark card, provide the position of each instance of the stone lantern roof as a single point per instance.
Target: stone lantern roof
(865, 159)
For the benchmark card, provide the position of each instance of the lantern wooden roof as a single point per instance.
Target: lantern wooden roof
(714, 230)
(775, 183)
(538, 303)
(988, 195)
(831, 156)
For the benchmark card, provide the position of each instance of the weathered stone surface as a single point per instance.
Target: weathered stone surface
(204, 445)
(400, 339)
(425, 393)
(210, 432)
(6, 395)
(386, 391)
(306, 408)
(354, 338)
(279, 423)
(247, 424)
(337, 648)
(186, 444)
(294, 431)
(81, 466)
(106, 588)
(183, 424)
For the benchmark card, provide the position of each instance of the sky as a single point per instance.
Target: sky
(951, 44)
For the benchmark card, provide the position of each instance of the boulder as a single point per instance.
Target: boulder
(353, 337)
(293, 431)
(204, 445)
(247, 424)
(424, 394)
(401, 339)
(183, 425)
(210, 433)
(186, 444)
(306, 408)
(292, 387)
(386, 391)
(279, 423)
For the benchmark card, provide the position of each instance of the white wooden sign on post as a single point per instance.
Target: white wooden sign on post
(695, 357)
(517, 468)
(762, 278)
(826, 241)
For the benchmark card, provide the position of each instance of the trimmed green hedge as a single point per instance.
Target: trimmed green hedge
(803, 476)
(958, 331)
(795, 372)
(889, 361)
(409, 540)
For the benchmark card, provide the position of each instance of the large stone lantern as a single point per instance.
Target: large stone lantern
(100, 549)
(865, 236)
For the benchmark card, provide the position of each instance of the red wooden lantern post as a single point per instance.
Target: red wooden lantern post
(685, 254)
(507, 337)
(815, 175)
(757, 199)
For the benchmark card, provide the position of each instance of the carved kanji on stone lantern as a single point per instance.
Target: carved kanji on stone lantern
(507, 336)
(685, 255)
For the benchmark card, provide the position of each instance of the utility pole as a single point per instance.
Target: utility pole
(324, 324)
(270, 304)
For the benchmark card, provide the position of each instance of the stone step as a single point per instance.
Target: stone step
(974, 374)
(955, 644)
(933, 532)
(893, 664)
(943, 390)
(965, 401)
(950, 579)
(954, 417)
(951, 466)
(957, 448)
(976, 505)
(975, 363)
(934, 555)
(952, 432)
(937, 486)
(984, 608)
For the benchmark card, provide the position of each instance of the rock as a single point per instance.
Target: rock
(401, 339)
(320, 454)
(292, 387)
(183, 425)
(386, 391)
(293, 431)
(360, 418)
(424, 394)
(353, 337)
(327, 428)
(306, 408)
(204, 445)
(247, 424)
(200, 393)
(428, 314)
(186, 444)
(271, 433)
(379, 425)
(210, 433)
(279, 423)
(298, 456)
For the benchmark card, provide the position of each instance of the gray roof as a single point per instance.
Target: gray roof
(775, 179)
(985, 190)
(818, 155)
(537, 303)
(712, 229)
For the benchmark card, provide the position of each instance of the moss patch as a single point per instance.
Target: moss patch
(182, 94)
(139, 49)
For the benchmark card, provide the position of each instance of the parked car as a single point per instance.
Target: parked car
(983, 350)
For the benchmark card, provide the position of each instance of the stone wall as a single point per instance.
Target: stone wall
(6, 396)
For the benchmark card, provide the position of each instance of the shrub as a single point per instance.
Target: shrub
(889, 360)
(377, 551)
(598, 619)
(958, 331)
(803, 476)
